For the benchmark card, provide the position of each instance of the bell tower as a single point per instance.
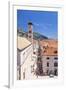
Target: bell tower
(30, 32)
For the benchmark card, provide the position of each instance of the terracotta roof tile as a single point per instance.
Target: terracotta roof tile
(49, 47)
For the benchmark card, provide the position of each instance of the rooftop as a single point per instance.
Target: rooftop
(22, 42)
(49, 43)
(49, 47)
(30, 23)
(50, 52)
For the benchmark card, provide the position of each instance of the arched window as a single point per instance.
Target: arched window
(30, 31)
(55, 64)
(55, 51)
(47, 64)
(47, 58)
(56, 58)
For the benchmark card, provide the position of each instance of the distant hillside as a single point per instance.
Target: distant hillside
(36, 35)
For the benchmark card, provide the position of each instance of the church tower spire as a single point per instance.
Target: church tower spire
(30, 32)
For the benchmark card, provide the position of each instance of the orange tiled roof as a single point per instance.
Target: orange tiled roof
(50, 51)
(50, 43)
(50, 47)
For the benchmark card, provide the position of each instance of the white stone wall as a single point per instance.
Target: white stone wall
(26, 62)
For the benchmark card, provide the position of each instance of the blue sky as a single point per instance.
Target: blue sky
(44, 22)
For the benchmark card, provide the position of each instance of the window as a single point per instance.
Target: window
(55, 64)
(29, 36)
(47, 58)
(55, 72)
(47, 64)
(56, 58)
(34, 53)
(30, 31)
(47, 72)
(39, 59)
(55, 52)
(44, 51)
